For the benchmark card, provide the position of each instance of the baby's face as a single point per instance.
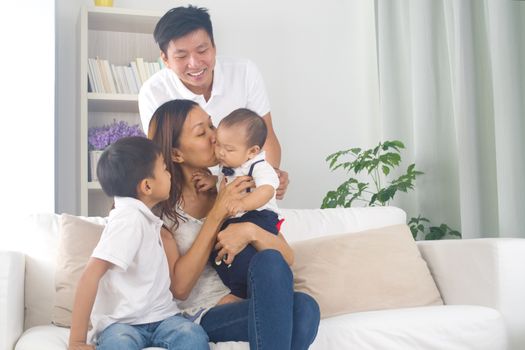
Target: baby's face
(230, 147)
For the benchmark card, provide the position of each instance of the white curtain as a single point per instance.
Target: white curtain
(452, 87)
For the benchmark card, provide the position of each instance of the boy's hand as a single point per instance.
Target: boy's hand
(204, 181)
(80, 346)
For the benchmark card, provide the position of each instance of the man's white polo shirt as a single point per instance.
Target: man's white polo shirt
(237, 83)
(136, 289)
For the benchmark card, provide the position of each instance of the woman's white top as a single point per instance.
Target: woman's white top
(209, 288)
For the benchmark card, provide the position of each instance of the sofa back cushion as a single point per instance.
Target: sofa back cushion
(369, 270)
(77, 239)
(39, 240)
(301, 224)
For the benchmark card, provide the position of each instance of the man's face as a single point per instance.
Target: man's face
(192, 58)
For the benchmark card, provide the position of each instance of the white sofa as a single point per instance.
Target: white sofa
(482, 282)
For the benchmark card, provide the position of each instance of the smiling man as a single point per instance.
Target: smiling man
(218, 84)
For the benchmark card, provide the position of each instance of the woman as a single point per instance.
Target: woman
(273, 316)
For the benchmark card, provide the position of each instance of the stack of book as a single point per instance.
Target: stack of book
(107, 78)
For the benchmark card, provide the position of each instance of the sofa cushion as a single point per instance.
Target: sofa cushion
(301, 224)
(369, 270)
(429, 328)
(77, 239)
(51, 337)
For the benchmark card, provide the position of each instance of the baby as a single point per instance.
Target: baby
(240, 138)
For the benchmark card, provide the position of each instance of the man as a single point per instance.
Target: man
(218, 85)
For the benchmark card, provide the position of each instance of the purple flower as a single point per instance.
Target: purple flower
(100, 137)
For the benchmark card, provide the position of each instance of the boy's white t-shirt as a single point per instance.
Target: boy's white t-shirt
(263, 174)
(136, 289)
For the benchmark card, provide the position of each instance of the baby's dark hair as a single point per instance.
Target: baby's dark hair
(125, 163)
(255, 126)
(180, 21)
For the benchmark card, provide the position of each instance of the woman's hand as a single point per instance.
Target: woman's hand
(232, 240)
(228, 195)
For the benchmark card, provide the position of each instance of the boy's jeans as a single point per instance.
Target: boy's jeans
(175, 332)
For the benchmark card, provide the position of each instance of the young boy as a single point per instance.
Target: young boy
(125, 285)
(239, 141)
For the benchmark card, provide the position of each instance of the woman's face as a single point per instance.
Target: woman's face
(197, 140)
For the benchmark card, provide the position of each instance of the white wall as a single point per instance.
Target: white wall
(314, 57)
(27, 71)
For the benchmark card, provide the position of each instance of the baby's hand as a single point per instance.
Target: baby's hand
(204, 181)
(234, 207)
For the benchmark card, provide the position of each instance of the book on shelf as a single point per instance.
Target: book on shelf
(105, 77)
(110, 78)
(122, 78)
(118, 84)
(96, 80)
(142, 70)
(134, 89)
(136, 76)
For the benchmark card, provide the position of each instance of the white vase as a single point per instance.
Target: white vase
(94, 156)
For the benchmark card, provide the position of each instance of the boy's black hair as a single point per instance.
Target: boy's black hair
(180, 21)
(125, 163)
(256, 130)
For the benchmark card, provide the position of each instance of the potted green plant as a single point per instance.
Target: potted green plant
(375, 166)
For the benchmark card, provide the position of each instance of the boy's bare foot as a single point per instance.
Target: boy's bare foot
(228, 299)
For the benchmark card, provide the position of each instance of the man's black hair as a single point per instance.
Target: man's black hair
(125, 163)
(180, 21)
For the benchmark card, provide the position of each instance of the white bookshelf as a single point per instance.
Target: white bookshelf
(120, 36)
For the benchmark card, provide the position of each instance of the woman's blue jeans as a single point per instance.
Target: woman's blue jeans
(273, 317)
(175, 332)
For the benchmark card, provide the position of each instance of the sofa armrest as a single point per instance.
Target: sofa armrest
(488, 272)
(12, 268)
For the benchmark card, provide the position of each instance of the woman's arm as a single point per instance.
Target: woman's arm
(186, 269)
(236, 237)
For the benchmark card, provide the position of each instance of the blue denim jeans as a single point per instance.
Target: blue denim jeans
(175, 332)
(234, 276)
(273, 317)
